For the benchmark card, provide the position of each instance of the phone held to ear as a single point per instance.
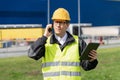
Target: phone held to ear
(50, 29)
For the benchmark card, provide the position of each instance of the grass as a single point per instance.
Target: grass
(108, 67)
(24, 68)
(20, 68)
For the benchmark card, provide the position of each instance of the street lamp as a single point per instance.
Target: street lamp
(48, 9)
(79, 32)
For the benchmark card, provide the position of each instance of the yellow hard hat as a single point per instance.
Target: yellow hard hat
(61, 14)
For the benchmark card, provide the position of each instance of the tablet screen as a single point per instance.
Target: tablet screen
(88, 48)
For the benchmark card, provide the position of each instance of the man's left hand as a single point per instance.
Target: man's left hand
(92, 55)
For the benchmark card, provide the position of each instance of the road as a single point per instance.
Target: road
(22, 51)
(110, 46)
(13, 51)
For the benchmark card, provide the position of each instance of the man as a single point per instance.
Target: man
(60, 51)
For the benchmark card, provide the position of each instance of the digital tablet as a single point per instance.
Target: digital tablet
(88, 48)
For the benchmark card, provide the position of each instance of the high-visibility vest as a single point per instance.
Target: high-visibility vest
(61, 65)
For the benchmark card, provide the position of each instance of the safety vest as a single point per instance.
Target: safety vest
(61, 65)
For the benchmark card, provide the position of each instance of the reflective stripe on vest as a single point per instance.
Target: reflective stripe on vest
(66, 73)
(48, 64)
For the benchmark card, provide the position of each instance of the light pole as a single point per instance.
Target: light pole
(79, 32)
(48, 9)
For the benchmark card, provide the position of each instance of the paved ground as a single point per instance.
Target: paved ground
(4, 55)
(20, 51)
(13, 51)
(110, 46)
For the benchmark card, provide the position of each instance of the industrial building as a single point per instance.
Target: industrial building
(26, 19)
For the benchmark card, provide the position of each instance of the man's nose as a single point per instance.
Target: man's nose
(58, 24)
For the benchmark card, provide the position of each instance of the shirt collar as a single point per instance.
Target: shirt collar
(61, 40)
(69, 39)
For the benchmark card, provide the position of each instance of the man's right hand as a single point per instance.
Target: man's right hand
(47, 33)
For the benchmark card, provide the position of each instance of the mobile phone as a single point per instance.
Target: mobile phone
(50, 29)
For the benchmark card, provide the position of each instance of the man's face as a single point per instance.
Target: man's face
(60, 27)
